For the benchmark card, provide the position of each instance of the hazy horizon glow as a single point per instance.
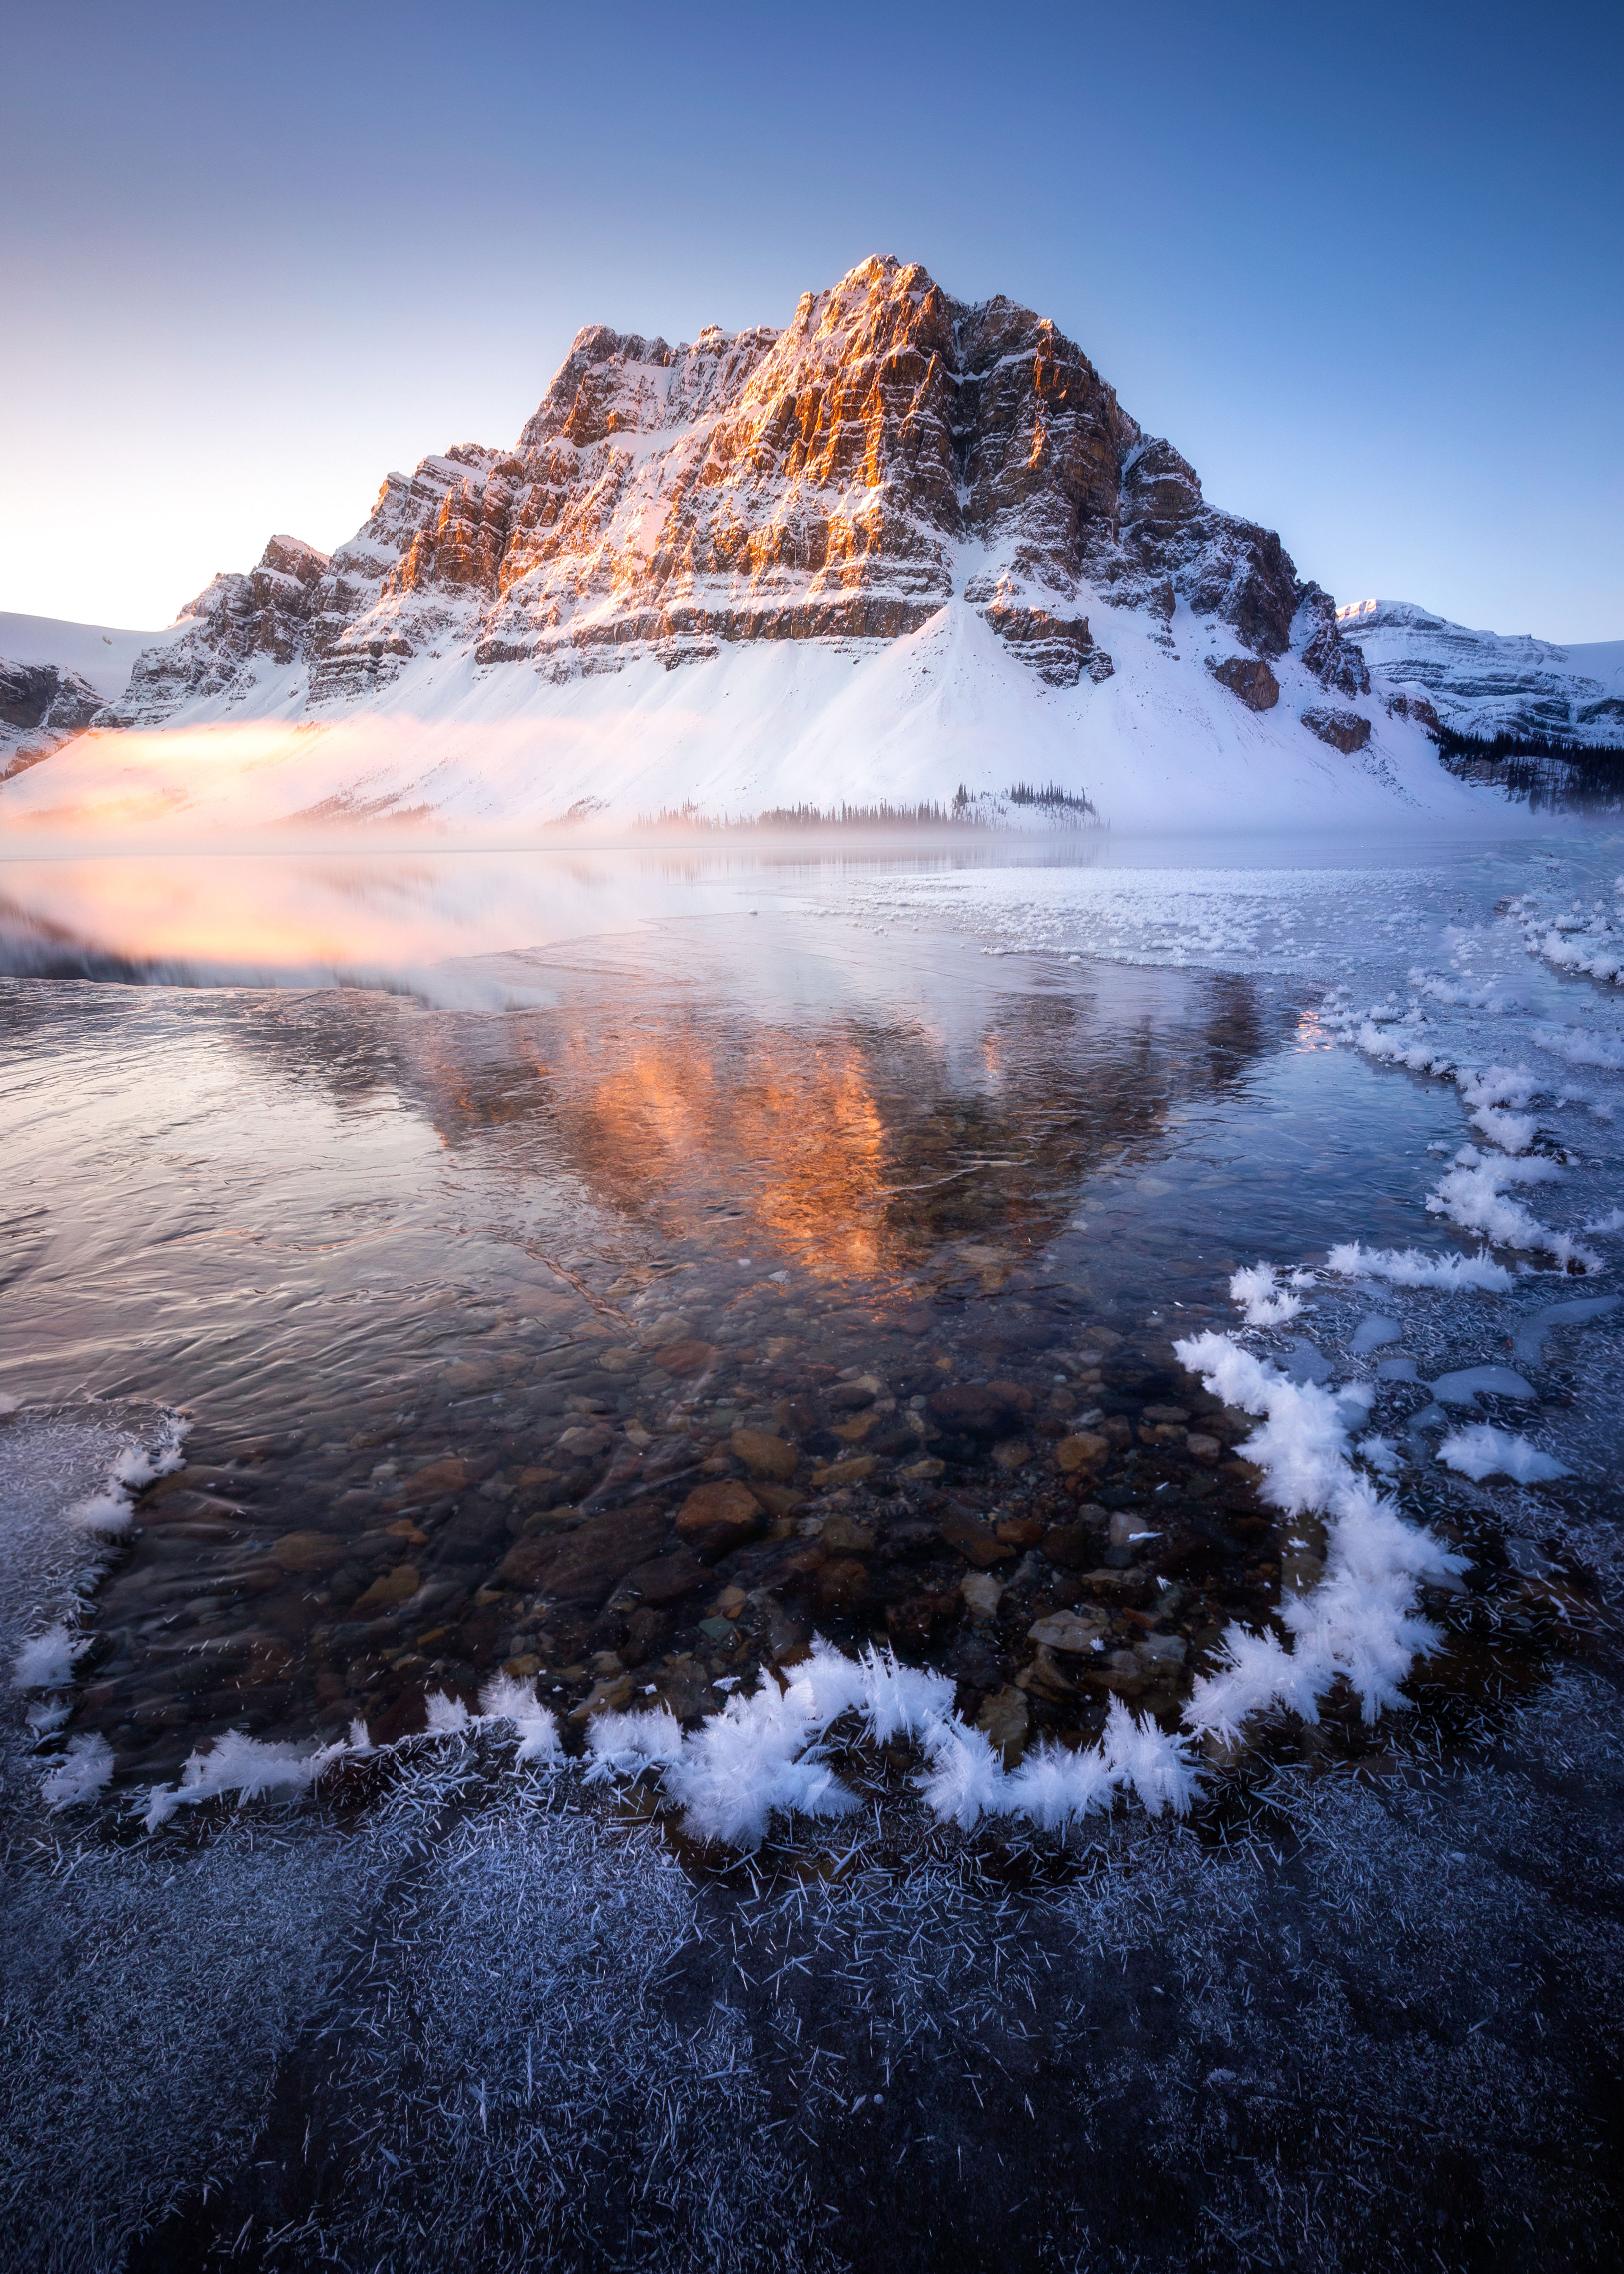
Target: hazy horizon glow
(1361, 270)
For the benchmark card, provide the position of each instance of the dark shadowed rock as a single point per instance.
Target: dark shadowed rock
(668, 1577)
(581, 1566)
(1250, 678)
(1346, 731)
(973, 1410)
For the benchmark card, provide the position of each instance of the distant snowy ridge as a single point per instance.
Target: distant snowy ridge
(56, 678)
(905, 549)
(1488, 683)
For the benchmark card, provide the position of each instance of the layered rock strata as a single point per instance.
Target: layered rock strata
(891, 450)
(1488, 683)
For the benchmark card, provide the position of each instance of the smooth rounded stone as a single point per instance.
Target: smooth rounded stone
(1073, 1545)
(925, 1472)
(1162, 1650)
(763, 1454)
(842, 1580)
(1077, 1631)
(683, 1687)
(846, 1472)
(718, 1516)
(583, 1564)
(475, 1535)
(1083, 1450)
(860, 1426)
(1005, 1719)
(846, 1535)
(388, 1592)
(850, 1396)
(982, 1594)
(1131, 1527)
(667, 1578)
(977, 1542)
(1203, 1447)
(438, 1478)
(1012, 1453)
(685, 1359)
(308, 1552)
(973, 1410)
(1045, 1677)
(1166, 1414)
(586, 1442)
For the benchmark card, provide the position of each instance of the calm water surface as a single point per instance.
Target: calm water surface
(477, 1212)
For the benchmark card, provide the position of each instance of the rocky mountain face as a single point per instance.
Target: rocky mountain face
(840, 481)
(42, 705)
(1486, 683)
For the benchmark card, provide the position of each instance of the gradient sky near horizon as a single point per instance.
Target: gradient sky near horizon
(1362, 265)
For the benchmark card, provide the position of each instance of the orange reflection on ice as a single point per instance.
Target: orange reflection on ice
(790, 1132)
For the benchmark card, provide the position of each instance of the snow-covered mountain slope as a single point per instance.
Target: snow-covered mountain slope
(766, 724)
(1489, 683)
(56, 676)
(903, 549)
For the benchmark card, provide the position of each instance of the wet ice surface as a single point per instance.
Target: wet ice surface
(360, 1237)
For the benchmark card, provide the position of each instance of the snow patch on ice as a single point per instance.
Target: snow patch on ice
(1408, 1266)
(85, 1770)
(1360, 1622)
(1529, 1339)
(1264, 1301)
(1580, 1047)
(1484, 1451)
(1469, 1382)
(46, 1659)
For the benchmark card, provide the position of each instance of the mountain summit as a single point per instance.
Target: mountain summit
(905, 550)
(892, 451)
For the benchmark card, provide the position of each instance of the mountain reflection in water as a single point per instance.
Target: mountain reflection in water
(665, 1261)
(850, 1139)
(368, 1241)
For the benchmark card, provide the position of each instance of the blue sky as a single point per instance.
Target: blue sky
(1362, 265)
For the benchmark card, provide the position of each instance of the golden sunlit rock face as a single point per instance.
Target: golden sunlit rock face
(841, 480)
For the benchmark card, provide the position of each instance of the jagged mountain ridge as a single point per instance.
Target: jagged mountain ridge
(1491, 683)
(822, 483)
(906, 552)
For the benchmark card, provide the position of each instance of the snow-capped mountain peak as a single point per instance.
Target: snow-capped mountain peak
(1489, 683)
(905, 545)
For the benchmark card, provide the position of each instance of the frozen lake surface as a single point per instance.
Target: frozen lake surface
(602, 1277)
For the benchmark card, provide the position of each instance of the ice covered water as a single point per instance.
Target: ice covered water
(870, 1198)
(634, 1270)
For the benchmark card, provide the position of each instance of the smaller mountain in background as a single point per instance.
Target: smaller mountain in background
(1491, 683)
(57, 677)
